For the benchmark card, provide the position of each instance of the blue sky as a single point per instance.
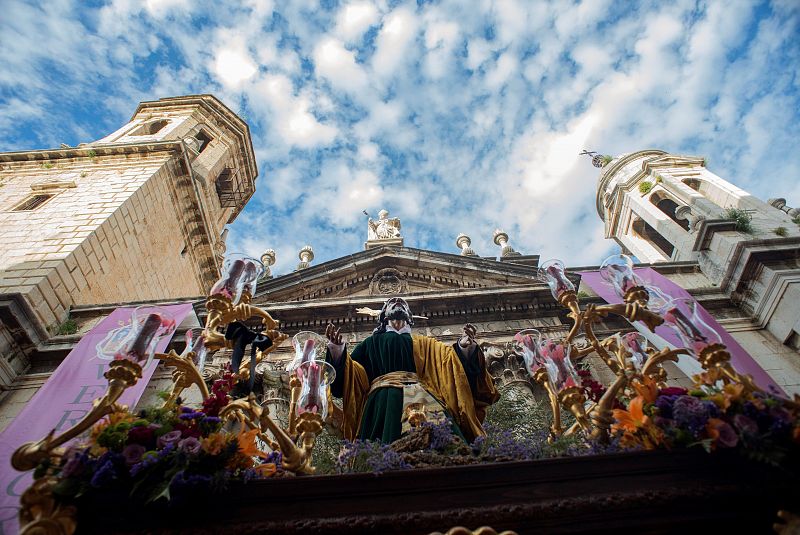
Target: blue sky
(455, 116)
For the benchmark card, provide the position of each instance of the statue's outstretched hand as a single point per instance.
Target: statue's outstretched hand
(468, 338)
(333, 334)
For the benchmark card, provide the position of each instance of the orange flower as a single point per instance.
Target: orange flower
(632, 419)
(214, 443)
(247, 444)
(647, 389)
(636, 427)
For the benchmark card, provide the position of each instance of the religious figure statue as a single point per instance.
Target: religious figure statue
(384, 228)
(393, 379)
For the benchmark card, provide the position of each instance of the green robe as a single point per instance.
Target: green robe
(387, 352)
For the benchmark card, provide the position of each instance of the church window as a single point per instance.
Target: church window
(149, 129)
(669, 207)
(32, 203)
(645, 231)
(692, 183)
(204, 139)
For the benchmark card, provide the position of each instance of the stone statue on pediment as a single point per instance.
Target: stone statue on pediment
(383, 231)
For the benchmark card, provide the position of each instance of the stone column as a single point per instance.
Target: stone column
(507, 369)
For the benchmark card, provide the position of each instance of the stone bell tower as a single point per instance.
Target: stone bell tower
(138, 215)
(663, 207)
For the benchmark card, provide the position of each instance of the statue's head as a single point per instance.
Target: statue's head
(383, 214)
(395, 312)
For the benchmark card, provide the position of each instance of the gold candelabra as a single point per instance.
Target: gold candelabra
(712, 355)
(42, 514)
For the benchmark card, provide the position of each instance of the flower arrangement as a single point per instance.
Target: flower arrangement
(713, 415)
(177, 454)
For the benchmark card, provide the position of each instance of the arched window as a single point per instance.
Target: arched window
(648, 233)
(669, 207)
(151, 128)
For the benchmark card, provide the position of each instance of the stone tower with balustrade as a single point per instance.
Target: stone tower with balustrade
(665, 207)
(138, 215)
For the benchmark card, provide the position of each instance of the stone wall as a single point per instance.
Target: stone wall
(104, 236)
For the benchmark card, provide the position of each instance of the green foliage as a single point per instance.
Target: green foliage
(606, 159)
(705, 162)
(47, 165)
(91, 153)
(796, 220)
(70, 326)
(781, 231)
(325, 452)
(518, 414)
(645, 187)
(744, 221)
(659, 179)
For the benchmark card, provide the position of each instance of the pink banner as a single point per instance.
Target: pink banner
(64, 399)
(740, 358)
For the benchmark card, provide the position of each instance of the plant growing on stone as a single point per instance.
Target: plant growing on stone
(744, 221)
(781, 231)
(606, 159)
(70, 326)
(645, 187)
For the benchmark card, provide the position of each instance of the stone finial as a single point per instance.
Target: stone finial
(780, 204)
(463, 242)
(501, 239)
(306, 256)
(268, 259)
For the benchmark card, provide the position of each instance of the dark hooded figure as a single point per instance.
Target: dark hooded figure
(392, 380)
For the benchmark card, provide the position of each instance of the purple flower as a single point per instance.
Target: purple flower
(745, 424)
(727, 436)
(189, 445)
(691, 413)
(76, 463)
(187, 409)
(133, 453)
(167, 439)
(105, 475)
(148, 459)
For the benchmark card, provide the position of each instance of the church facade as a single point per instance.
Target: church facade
(188, 161)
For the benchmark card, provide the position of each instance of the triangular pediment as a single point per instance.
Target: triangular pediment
(387, 271)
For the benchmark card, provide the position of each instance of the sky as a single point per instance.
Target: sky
(455, 116)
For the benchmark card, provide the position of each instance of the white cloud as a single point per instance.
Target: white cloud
(338, 65)
(291, 115)
(394, 39)
(233, 66)
(354, 19)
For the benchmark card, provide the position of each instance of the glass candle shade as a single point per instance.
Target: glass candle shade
(552, 272)
(148, 324)
(239, 275)
(195, 341)
(658, 300)
(560, 370)
(618, 271)
(635, 345)
(683, 317)
(315, 376)
(527, 343)
(308, 347)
